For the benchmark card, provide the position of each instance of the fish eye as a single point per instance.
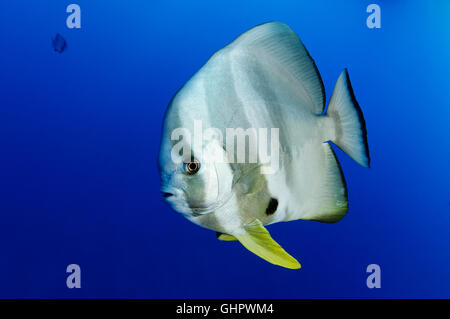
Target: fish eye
(192, 167)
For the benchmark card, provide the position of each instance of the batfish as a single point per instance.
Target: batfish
(264, 79)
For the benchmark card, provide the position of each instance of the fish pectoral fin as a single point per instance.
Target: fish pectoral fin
(225, 237)
(258, 240)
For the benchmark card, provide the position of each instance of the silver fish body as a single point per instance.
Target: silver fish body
(265, 79)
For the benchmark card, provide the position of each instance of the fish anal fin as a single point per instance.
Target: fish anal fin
(257, 239)
(331, 196)
(318, 188)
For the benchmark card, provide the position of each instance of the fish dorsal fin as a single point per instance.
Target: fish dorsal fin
(275, 42)
(258, 240)
(224, 237)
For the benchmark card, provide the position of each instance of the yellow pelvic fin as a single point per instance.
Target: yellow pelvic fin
(257, 239)
(225, 237)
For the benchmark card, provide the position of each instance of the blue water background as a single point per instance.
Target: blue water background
(80, 131)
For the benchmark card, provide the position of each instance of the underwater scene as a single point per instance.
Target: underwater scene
(224, 149)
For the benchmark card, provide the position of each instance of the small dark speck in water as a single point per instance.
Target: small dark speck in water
(59, 43)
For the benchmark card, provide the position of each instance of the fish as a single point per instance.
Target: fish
(263, 79)
(59, 43)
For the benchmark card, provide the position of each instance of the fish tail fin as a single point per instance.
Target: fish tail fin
(348, 129)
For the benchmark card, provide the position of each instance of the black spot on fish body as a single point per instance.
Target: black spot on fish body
(272, 207)
(59, 43)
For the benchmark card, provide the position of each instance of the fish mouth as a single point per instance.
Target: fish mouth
(167, 192)
(176, 199)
